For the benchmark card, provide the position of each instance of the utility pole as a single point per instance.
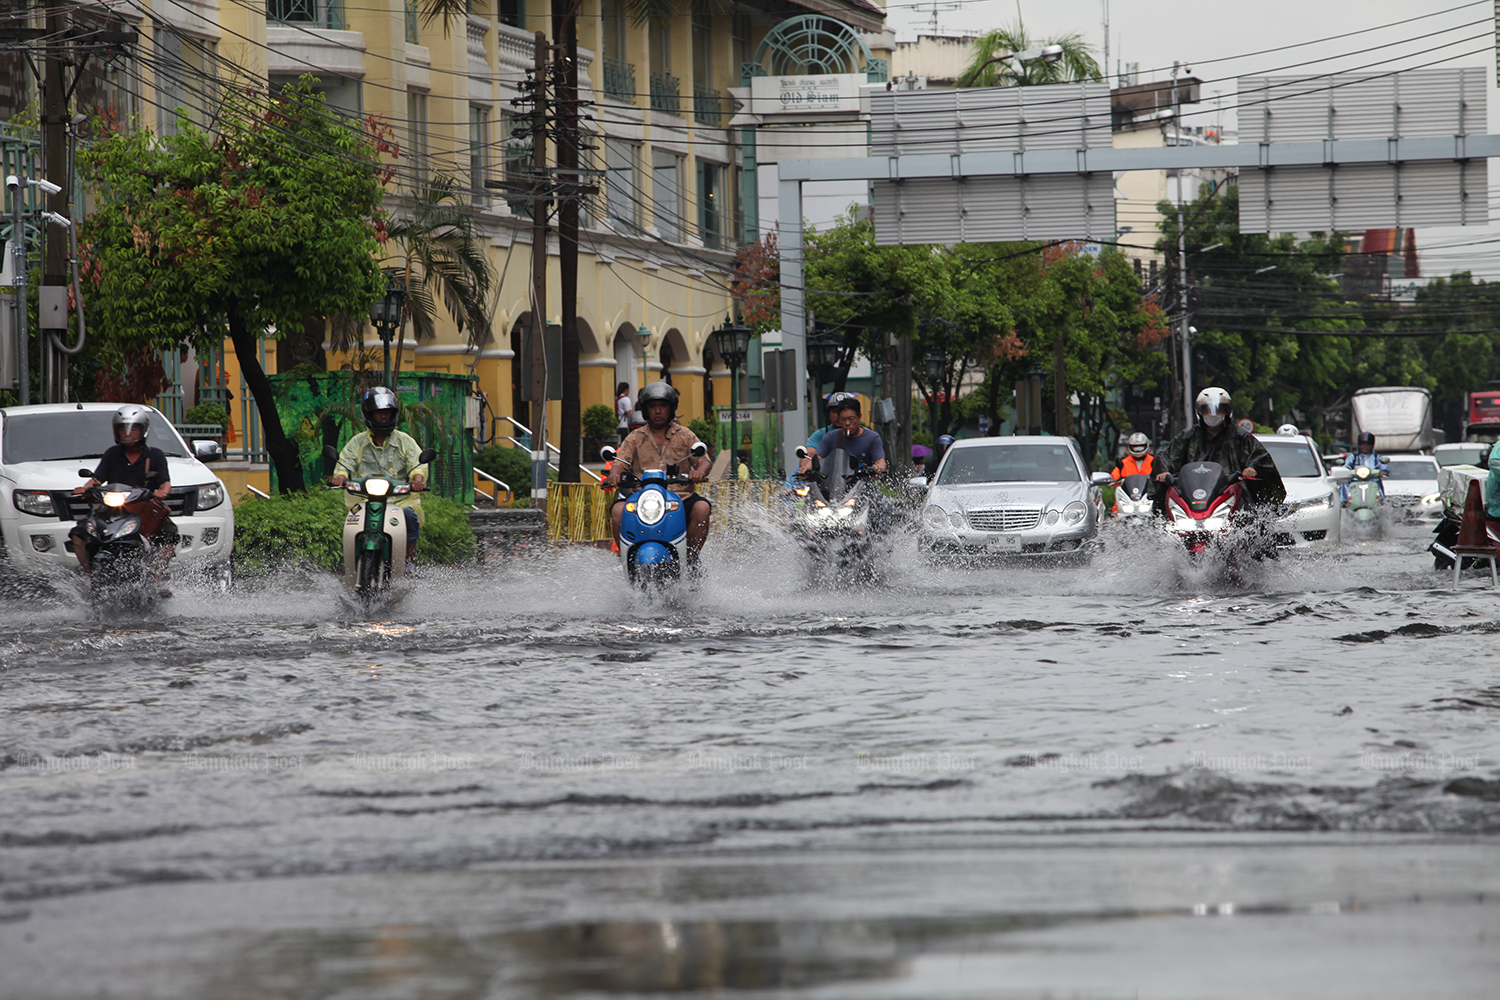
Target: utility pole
(537, 335)
(1061, 415)
(1182, 305)
(565, 29)
(55, 165)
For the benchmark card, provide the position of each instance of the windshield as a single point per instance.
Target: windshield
(75, 434)
(1424, 469)
(1294, 459)
(1009, 463)
(1462, 456)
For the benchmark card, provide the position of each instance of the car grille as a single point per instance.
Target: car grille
(75, 508)
(1005, 518)
(1402, 499)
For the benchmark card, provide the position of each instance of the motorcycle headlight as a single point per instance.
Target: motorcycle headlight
(935, 517)
(651, 507)
(377, 487)
(128, 526)
(1074, 512)
(1216, 523)
(851, 502)
(210, 496)
(115, 498)
(37, 502)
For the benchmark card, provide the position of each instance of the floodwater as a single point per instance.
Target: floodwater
(1104, 780)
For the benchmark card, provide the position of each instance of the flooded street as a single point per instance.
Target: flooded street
(1104, 780)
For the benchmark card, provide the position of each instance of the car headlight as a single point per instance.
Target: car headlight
(37, 502)
(957, 520)
(651, 507)
(210, 496)
(1432, 498)
(1323, 502)
(1074, 512)
(935, 518)
(1053, 516)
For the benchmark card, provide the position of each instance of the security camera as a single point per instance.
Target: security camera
(45, 185)
(12, 182)
(60, 221)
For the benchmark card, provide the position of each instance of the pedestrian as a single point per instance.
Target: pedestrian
(623, 406)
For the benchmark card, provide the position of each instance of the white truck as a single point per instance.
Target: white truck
(1400, 417)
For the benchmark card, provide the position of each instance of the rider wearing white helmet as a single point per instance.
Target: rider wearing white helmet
(1288, 430)
(1214, 438)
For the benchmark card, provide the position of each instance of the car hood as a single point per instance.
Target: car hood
(977, 495)
(1306, 488)
(1410, 487)
(187, 473)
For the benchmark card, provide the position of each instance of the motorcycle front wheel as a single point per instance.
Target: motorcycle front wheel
(369, 569)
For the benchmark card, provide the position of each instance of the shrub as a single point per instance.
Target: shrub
(510, 465)
(599, 422)
(207, 414)
(307, 530)
(705, 432)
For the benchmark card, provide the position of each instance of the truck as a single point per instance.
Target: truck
(1400, 417)
(1482, 415)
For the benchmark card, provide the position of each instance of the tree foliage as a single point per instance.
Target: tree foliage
(196, 236)
(983, 70)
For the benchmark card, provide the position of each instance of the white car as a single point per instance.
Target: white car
(1411, 489)
(1312, 497)
(42, 451)
(1474, 453)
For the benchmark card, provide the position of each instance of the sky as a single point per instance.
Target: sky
(1222, 40)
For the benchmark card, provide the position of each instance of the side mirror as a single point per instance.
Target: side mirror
(1341, 475)
(802, 451)
(607, 453)
(85, 473)
(700, 450)
(329, 451)
(1101, 479)
(208, 450)
(917, 483)
(428, 454)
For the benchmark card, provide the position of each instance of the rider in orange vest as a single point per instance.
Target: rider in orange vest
(1138, 461)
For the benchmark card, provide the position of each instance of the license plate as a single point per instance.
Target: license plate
(1003, 543)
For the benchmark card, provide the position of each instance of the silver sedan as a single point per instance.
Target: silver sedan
(1014, 496)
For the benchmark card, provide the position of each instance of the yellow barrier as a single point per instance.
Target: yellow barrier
(579, 512)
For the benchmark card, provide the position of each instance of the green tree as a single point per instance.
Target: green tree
(194, 237)
(985, 70)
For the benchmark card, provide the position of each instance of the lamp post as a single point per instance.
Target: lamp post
(643, 337)
(822, 357)
(732, 341)
(1034, 380)
(935, 365)
(385, 316)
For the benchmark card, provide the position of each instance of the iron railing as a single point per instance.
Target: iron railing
(319, 13)
(708, 108)
(619, 80)
(666, 93)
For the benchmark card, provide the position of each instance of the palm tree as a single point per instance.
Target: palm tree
(440, 258)
(984, 70)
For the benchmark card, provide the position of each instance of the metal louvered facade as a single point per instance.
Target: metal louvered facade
(992, 121)
(1428, 103)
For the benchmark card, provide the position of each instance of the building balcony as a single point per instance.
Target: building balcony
(708, 106)
(666, 93)
(316, 13)
(619, 81)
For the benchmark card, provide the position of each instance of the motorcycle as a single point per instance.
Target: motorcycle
(123, 566)
(1362, 494)
(1133, 499)
(833, 512)
(653, 526)
(1204, 505)
(375, 535)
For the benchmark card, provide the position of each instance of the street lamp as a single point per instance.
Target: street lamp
(643, 337)
(822, 357)
(1034, 380)
(385, 316)
(732, 341)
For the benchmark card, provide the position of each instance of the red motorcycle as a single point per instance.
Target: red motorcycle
(1204, 504)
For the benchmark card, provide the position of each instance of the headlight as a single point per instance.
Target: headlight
(651, 507)
(935, 518)
(1216, 523)
(126, 526)
(1323, 502)
(1432, 498)
(115, 499)
(1074, 512)
(957, 520)
(1053, 516)
(37, 502)
(377, 487)
(210, 496)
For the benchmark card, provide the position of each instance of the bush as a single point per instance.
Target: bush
(510, 465)
(599, 422)
(207, 414)
(705, 432)
(307, 530)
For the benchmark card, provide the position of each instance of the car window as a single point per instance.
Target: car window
(1462, 456)
(1294, 459)
(1425, 469)
(74, 434)
(1009, 463)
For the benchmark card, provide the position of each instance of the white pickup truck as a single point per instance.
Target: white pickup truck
(42, 450)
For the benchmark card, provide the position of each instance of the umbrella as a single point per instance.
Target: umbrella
(920, 451)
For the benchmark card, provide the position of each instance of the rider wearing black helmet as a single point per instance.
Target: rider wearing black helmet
(1215, 438)
(663, 442)
(1364, 455)
(382, 450)
(134, 463)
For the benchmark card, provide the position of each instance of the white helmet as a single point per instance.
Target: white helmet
(132, 415)
(1214, 406)
(1288, 430)
(1137, 444)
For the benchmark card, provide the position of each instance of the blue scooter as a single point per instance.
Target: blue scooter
(653, 527)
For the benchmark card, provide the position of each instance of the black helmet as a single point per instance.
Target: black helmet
(132, 415)
(658, 392)
(1366, 438)
(377, 399)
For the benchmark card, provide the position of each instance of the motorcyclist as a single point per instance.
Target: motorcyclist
(1137, 461)
(660, 443)
(1288, 430)
(929, 468)
(382, 450)
(831, 402)
(132, 462)
(863, 445)
(1364, 455)
(1213, 438)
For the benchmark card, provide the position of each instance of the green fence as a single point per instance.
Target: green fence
(322, 409)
